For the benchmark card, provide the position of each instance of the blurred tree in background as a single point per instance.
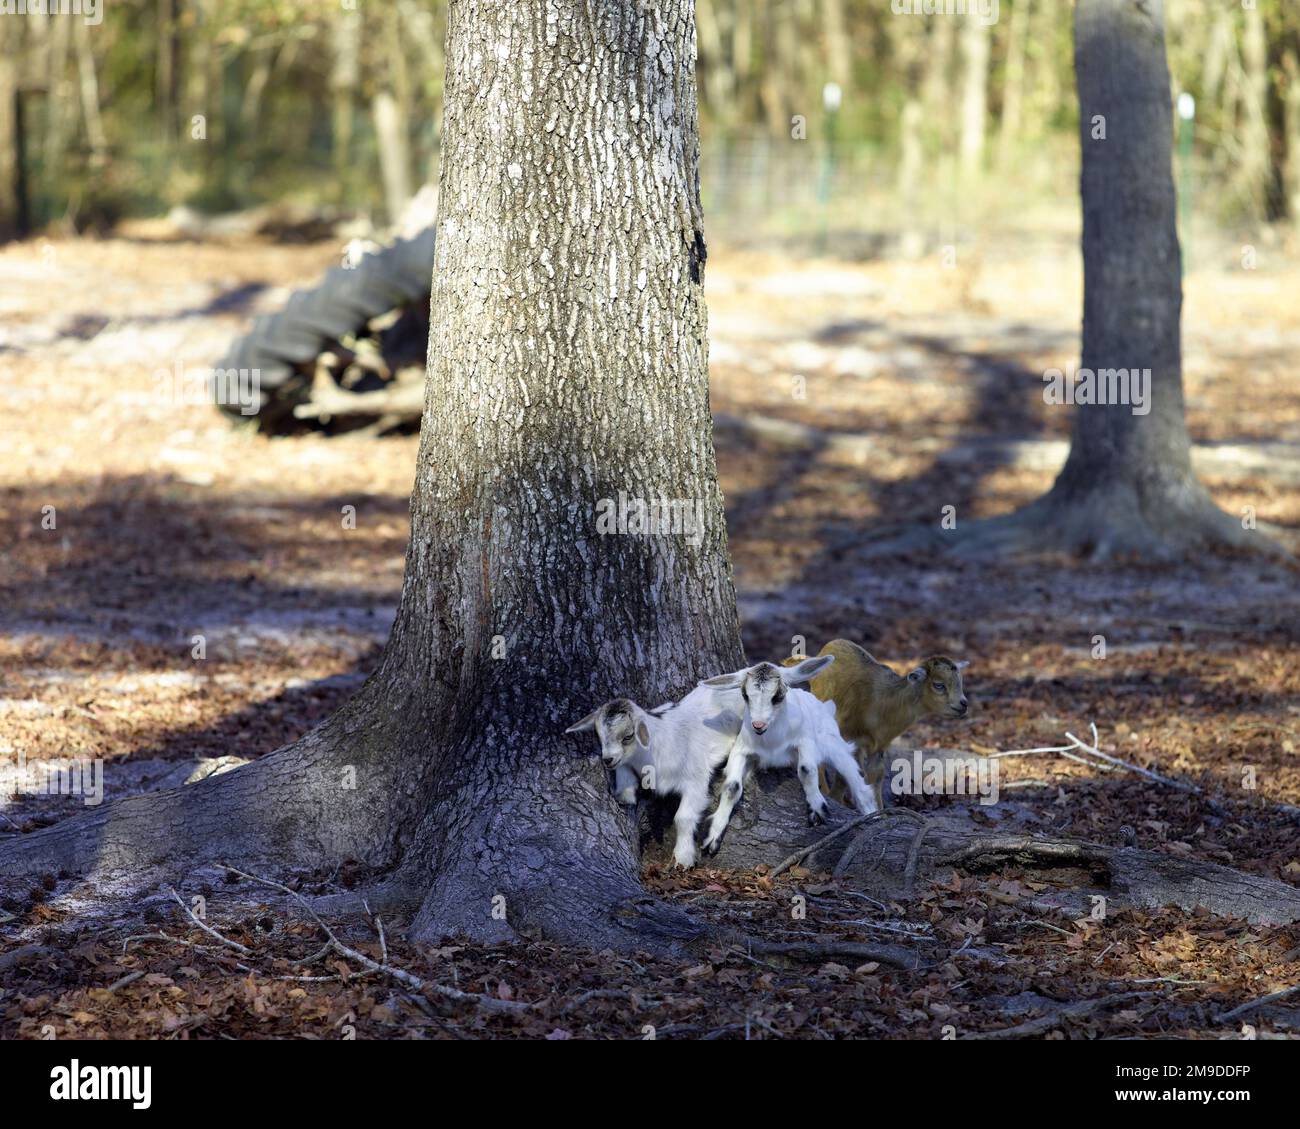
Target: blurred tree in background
(815, 113)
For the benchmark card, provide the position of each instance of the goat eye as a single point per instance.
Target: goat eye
(940, 687)
(628, 739)
(777, 699)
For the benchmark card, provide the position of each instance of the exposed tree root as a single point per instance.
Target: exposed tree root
(516, 862)
(1103, 524)
(316, 803)
(891, 855)
(510, 869)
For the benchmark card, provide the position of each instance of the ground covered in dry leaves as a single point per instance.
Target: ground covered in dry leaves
(848, 397)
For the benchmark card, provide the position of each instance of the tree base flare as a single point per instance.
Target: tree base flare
(891, 854)
(1110, 522)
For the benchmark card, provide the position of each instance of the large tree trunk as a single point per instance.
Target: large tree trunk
(568, 367)
(1128, 484)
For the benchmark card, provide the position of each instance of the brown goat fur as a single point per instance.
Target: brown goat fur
(873, 704)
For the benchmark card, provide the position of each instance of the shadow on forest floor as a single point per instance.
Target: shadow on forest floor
(172, 525)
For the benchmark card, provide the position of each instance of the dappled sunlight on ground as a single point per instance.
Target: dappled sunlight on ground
(847, 396)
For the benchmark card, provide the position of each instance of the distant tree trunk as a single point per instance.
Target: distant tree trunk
(1013, 87)
(568, 367)
(718, 85)
(937, 89)
(742, 55)
(911, 166)
(250, 106)
(839, 46)
(1046, 90)
(394, 152)
(88, 85)
(8, 130)
(345, 76)
(61, 104)
(418, 23)
(168, 70)
(1255, 165)
(1128, 484)
(974, 99)
(776, 87)
(1291, 132)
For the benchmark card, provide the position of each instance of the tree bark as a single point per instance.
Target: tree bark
(890, 857)
(1127, 486)
(568, 367)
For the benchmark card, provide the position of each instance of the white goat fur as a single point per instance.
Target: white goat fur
(674, 748)
(785, 728)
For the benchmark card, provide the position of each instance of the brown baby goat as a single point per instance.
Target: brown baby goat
(873, 705)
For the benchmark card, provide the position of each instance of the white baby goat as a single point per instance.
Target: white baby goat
(674, 748)
(784, 728)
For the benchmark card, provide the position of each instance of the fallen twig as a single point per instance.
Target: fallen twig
(129, 978)
(1053, 850)
(216, 954)
(913, 858)
(206, 927)
(894, 955)
(1253, 1004)
(1048, 1022)
(1093, 750)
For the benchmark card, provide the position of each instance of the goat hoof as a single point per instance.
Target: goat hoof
(816, 818)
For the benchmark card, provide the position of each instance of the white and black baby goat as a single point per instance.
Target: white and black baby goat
(672, 749)
(784, 727)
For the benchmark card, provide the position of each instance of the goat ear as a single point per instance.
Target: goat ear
(588, 722)
(806, 670)
(726, 681)
(963, 664)
(643, 734)
(917, 675)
